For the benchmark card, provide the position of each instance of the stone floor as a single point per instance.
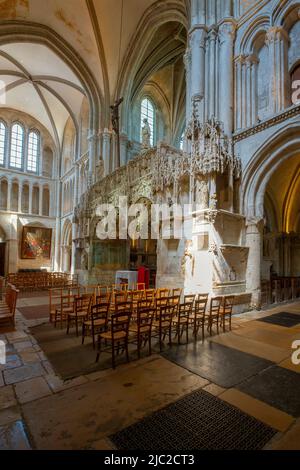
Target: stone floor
(249, 368)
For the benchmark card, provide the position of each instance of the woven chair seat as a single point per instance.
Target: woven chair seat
(118, 335)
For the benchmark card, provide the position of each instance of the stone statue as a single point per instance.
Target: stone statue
(84, 261)
(115, 115)
(202, 194)
(146, 134)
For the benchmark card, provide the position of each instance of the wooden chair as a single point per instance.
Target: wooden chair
(82, 308)
(202, 296)
(162, 293)
(214, 313)
(226, 311)
(103, 298)
(181, 320)
(97, 322)
(189, 298)
(65, 307)
(134, 296)
(150, 294)
(8, 305)
(162, 325)
(123, 307)
(55, 294)
(177, 291)
(116, 336)
(174, 300)
(142, 328)
(198, 317)
(140, 286)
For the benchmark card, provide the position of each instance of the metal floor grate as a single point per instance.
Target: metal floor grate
(197, 421)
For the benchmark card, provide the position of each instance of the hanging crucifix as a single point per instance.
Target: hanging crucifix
(115, 125)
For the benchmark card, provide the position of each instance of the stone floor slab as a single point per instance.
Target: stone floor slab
(269, 415)
(13, 437)
(219, 364)
(78, 417)
(9, 415)
(287, 319)
(214, 389)
(7, 397)
(32, 389)
(289, 441)
(19, 374)
(276, 386)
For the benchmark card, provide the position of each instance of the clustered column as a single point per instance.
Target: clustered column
(277, 41)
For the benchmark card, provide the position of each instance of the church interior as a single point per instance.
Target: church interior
(109, 111)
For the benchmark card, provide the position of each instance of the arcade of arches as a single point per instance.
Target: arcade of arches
(210, 117)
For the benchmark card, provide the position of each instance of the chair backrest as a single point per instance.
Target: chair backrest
(102, 290)
(174, 300)
(215, 305)
(185, 310)
(103, 298)
(123, 307)
(83, 303)
(120, 322)
(167, 313)
(161, 302)
(162, 292)
(144, 304)
(200, 307)
(134, 295)
(189, 298)
(149, 294)
(100, 311)
(228, 303)
(145, 317)
(203, 296)
(177, 291)
(120, 297)
(140, 286)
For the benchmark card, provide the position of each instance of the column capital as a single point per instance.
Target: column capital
(276, 33)
(212, 34)
(256, 223)
(227, 31)
(198, 35)
(251, 59)
(240, 59)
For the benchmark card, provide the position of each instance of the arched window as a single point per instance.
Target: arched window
(17, 146)
(2, 143)
(181, 141)
(147, 112)
(33, 151)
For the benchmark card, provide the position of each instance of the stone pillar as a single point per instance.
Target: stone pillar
(197, 45)
(277, 41)
(106, 137)
(9, 186)
(73, 255)
(57, 227)
(40, 200)
(226, 39)
(123, 148)
(20, 196)
(239, 97)
(211, 85)
(30, 198)
(254, 238)
(92, 139)
(76, 186)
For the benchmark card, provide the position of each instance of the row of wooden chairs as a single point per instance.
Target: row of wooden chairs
(30, 281)
(280, 289)
(8, 305)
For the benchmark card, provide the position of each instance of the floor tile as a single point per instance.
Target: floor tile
(217, 363)
(32, 389)
(9, 415)
(250, 346)
(274, 338)
(290, 441)
(214, 389)
(22, 373)
(13, 437)
(7, 397)
(276, 386)
(28, 357)
(267, 414)
(287, 364)
(1, 380)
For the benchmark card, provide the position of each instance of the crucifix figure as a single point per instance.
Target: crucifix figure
(115, 125)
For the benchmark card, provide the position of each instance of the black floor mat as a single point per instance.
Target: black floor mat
(220, 364)
(197, 421)
(286, 319)
(276, 386)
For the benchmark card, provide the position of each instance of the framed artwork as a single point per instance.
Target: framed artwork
(36, 243)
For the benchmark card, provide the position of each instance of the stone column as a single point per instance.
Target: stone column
(254, 237)
(57, 227)
(123, 148)
(9, 186)
(197, 45)
(277, 41)
(30, 198)
(106, 137)
(239, 64)
(226, 39)
(73, 255)
(20, 196)
(40, 200)
(92, 139)
(211, 92)
(187, 64)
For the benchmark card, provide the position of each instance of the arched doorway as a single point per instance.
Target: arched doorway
(2, 251)
(270, 186)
